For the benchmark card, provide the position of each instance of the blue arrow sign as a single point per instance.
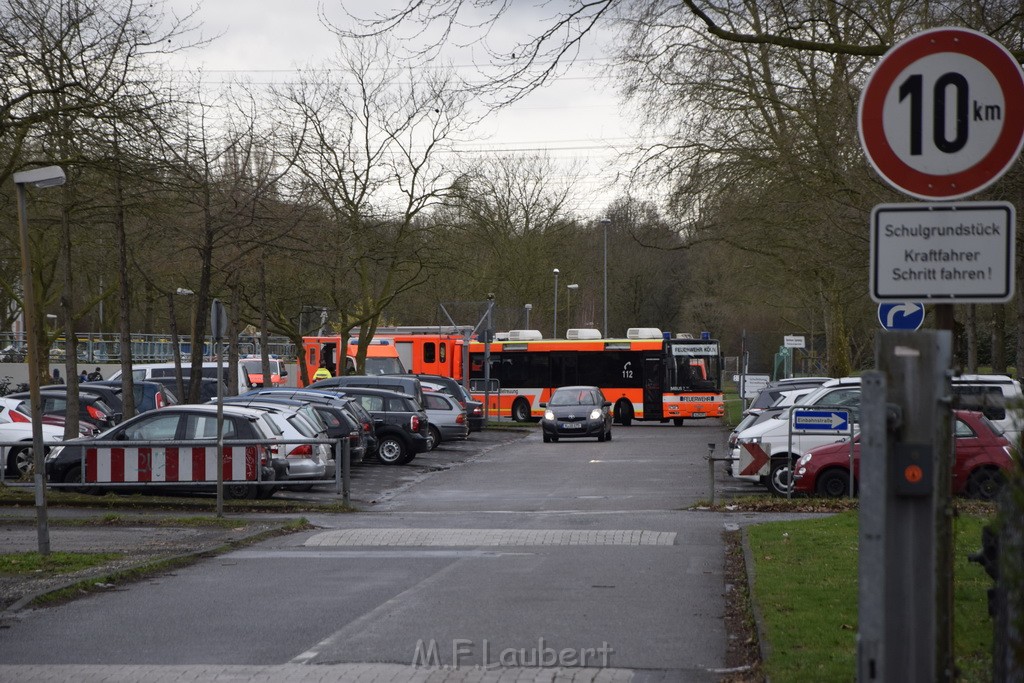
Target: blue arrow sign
(821, 420)
(905, 315)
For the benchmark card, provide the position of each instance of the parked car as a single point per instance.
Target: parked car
(148, 395)
(168, 426)
(304, 424)
(18, 410)
(337, 414)
(403, 384)
(577, 411)
(474, 409)
(399, 421)
(18, 458)
(207, 388)
(91, 407)
(293, 460)
(770, 394)
(447, 418)
(982, 459)
(144, 371)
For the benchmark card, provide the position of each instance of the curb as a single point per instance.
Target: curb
(762, 639)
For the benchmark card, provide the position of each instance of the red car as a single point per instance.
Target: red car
(982, 457)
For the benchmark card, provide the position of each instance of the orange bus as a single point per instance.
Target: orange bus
(647, 376)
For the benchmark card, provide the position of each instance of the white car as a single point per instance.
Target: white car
(17, 457)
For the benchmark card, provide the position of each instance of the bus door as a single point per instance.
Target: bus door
(653, 388)
(564, 368)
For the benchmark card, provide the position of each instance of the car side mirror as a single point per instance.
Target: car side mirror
(606, 404)
(543, 405)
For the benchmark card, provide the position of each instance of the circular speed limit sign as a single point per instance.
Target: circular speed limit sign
(942, 115)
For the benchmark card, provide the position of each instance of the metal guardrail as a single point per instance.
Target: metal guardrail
(341, 450)
(102, 347)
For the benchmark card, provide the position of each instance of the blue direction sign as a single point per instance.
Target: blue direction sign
(901, 315)
(822, 420)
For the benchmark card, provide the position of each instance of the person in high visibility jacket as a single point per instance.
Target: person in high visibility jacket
(322, 372)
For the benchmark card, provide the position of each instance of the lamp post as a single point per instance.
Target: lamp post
(554, 327)
(528, 307)
(568, 304)
(49, 176)
(605, 222)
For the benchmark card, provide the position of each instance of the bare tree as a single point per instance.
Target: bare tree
(374, 159)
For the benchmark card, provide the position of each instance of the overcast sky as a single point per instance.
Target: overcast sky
(577, 118)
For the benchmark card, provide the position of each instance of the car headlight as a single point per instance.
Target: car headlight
(548, 415)
(595, 414)
(804, 459)
(752, 439)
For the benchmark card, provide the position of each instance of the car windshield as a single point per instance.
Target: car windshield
(384, 366)
(574, 397)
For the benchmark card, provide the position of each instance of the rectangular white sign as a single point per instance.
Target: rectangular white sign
(943, 252)
(792, 341)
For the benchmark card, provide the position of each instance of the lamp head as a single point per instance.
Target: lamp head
(47, 176)
(555, 271)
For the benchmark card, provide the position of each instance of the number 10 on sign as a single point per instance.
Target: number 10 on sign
(942, 115)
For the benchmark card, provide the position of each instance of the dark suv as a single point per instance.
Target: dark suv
(401, 424)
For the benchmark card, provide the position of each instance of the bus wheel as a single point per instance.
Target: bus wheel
(521, 410)
(677, 421)
(624, 413)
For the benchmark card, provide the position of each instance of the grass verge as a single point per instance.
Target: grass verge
(54, 563)
(806, 586)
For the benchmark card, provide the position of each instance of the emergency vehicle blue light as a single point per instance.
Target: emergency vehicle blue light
(705, 335)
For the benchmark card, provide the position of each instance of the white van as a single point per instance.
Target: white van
(250, 372)
(761, 451)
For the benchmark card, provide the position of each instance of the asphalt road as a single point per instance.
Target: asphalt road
(494, 553)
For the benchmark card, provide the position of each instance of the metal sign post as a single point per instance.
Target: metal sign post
(905, 576)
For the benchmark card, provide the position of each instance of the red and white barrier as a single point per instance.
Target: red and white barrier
(152, 464)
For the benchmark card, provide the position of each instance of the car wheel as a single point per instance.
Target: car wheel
(74, 476)
(608, 436)
(521, 410)
(985, 483)
(601, 437)
(833, 483)
(435, 437)
(624, 413)
(677, 421)
(20, 463)
(778, 477)
(391, 450)
(240, 491)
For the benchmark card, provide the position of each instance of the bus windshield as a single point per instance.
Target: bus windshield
(692, 366)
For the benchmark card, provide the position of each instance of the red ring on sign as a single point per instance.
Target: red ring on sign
(1004, 152)
(913, 474)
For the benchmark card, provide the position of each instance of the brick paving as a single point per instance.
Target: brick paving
(487, 537)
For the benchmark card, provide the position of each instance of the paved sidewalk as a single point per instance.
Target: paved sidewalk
(350, 673)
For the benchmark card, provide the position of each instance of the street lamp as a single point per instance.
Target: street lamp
(605, 222)
(528, 307)
(568, 303)
(554, 328)
(49, 176)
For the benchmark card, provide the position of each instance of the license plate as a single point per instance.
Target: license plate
(700, 414)
(572, 425)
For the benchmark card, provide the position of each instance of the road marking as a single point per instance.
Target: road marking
(487, 537)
